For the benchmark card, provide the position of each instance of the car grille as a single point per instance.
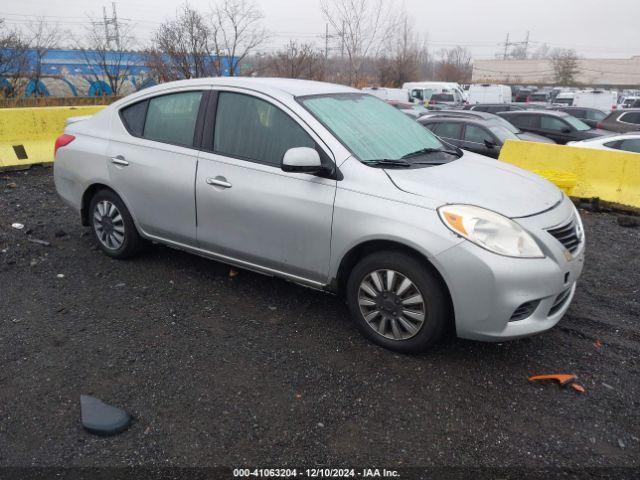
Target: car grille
(568, 235)
(560, 301)
(524, 311)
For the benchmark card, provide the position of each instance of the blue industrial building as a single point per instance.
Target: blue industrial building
(67, 73)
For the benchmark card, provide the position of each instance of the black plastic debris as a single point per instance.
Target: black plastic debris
(102, 419)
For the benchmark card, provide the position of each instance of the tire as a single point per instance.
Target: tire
(117, 237)
(395, 305)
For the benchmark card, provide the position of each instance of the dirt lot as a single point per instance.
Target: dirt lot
(256, 371)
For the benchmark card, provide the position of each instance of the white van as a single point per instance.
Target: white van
(488, 93)
(422, 91)
(387, 94)
(565, 98)
(604, 100)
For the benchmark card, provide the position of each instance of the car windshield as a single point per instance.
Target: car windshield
(577, 123)
(371, 129)
(442, 97)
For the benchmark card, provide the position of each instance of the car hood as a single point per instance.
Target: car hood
(532, 137)
(481, 181)
(598, 132)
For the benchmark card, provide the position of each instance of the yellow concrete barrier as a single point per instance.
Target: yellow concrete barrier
(582, 172)
(27, 135)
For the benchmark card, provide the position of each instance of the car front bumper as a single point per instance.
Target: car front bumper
(486, 289)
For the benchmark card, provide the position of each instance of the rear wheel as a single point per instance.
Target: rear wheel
(397, 302)
(112, 226)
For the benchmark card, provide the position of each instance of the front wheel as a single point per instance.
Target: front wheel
(112, 226)
(397, 302)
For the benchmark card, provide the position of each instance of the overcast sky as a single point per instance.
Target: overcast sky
(595, 28)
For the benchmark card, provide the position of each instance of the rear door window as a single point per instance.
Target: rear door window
(448, 130)
(172, 118)
(524, 121)
(630, 117)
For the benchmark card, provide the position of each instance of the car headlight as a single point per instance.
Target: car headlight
(490, 230)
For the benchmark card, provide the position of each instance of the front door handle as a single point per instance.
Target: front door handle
(218, 182)
(119, 160)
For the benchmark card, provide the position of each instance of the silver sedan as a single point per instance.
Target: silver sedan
(333, 189)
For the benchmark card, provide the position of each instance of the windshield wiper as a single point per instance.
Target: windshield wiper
(425, 151)
(387, 162)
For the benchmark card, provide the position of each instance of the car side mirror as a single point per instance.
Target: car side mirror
(302, 160)
(566, 130)
(489, 143)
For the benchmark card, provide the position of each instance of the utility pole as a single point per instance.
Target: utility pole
(506, 47)
(111, 27)
(326, 41)
(526, 45)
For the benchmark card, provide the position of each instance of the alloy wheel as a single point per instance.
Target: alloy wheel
(391, 304)
(109, 225)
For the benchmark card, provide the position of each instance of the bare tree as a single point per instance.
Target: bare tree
(42, 37)
(108, 58)
(405, 58)
(236, 27)
(13, 60)
(541, 52)
(362, 26)
(181, 48)
(565, 66)
(455, 65)
(297, 60)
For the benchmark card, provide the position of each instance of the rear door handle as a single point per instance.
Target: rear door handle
(218, 182)
(119, 160)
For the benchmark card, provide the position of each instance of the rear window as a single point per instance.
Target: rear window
(133, 118)
(537, 97)
(442, 97)
(448, 130)
(524, 121)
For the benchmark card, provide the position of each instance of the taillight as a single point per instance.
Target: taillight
(528, 99)
(62, 141)
(599, 126)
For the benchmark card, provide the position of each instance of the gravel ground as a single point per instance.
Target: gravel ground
(256, 371)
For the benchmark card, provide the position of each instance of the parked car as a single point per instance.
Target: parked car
(628, 102)
(422, 91)
(449, 99)
(490, 120)
(470, 134)
(330, 188)
(564, 98)
(521, 95)
(388, 94)
(489, 93)
(627, 142)
(604, 100)
(627, 120)
(558, 126)
(539, 97)
(590, 116)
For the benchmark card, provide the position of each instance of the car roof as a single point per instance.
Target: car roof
(293, 87)
(554, 113)
(465, 113)
(452, 119)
